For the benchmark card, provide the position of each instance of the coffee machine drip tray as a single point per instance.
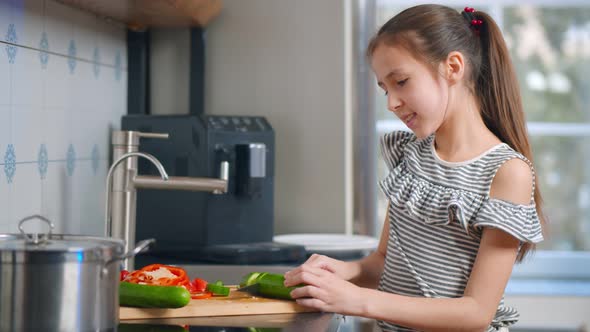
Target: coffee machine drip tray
(240, 254)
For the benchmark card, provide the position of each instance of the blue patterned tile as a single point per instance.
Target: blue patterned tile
(43, 50)
(72, 56)
(11, 37)
(118, 66)
(96, 64)
(10, 163)
(71, 160)
(95, 158)
(42, 161)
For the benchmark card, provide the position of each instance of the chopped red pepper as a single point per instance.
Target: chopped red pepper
(146, 274)
(153, 275)
(199, 285)
(201, 295)
(123, 274)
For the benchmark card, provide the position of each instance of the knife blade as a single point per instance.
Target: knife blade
(252, 289)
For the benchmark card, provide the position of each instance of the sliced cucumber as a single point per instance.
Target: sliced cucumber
(218, 289)
(149, 296)
(249, 279)
(269, 284)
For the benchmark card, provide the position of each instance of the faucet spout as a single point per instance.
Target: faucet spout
(154, 160)
(216, 186)
(180, 183)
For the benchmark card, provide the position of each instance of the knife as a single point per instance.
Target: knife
(252, 289)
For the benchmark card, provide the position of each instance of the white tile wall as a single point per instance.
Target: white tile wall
(56, 112)
(56, 95)
(25, 196)
(26, 84)
(4, 66)
(32, 21)
(27, 130)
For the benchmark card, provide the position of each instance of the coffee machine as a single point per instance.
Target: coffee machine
(235, 227)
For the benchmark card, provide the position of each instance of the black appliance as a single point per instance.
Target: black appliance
(235, 227)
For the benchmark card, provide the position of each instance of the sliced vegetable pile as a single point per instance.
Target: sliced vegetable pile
(164, 286)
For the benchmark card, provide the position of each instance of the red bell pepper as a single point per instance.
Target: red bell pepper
(149, 275)
(201, 295)
(154, 275)
(123, 275)
(199, 285)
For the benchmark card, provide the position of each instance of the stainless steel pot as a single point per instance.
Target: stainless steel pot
(56, 282)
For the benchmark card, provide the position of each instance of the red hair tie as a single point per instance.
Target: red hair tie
(469, 14)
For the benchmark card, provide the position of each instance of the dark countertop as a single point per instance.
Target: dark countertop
(301, 322)
(321, 322)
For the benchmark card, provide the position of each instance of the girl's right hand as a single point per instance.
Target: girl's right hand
(343, 270)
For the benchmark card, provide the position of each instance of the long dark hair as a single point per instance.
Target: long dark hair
(431, 32)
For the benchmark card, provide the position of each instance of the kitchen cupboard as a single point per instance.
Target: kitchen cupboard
(139, 14)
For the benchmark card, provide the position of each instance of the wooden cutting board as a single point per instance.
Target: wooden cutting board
(237, 303)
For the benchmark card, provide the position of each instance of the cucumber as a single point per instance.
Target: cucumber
(149, 296)
(249, 279)
(269, 284)
(218, 288)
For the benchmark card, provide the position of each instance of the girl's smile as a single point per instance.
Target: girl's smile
(409, 120)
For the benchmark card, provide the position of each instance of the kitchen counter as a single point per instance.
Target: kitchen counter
(321, 322)
(308, 322)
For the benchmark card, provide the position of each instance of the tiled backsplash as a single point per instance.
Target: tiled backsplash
(63, 88)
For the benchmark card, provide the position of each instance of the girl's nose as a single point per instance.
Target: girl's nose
(393, 102)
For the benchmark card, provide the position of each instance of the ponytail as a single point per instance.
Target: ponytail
(500, 101)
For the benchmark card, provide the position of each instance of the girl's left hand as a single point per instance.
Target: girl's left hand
(325, 291)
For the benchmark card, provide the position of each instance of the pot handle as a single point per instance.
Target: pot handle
(139, 247)
(35, 238)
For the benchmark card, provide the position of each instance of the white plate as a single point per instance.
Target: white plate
(330, 243)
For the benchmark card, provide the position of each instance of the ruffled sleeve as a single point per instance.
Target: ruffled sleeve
(392, 146)
(521, 221)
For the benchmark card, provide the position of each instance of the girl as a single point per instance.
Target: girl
(463, 200)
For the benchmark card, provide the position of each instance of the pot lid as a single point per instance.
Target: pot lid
(49, 248)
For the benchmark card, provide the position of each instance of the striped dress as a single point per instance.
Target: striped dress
(436, 213)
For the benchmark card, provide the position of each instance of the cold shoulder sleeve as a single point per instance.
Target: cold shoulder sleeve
(521, 221)
(392, 146)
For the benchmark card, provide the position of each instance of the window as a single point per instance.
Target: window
(550, 47)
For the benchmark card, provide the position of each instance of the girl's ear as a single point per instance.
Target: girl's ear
(454, 67)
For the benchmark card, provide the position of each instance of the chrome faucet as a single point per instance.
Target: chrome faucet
(123, 181)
